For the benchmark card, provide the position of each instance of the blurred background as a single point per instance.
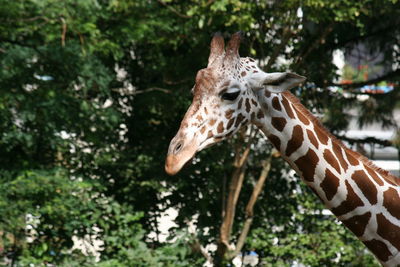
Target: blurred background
(92, 91)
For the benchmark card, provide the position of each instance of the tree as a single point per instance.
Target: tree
(92, 91)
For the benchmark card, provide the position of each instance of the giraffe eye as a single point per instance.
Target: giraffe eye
(230, 95)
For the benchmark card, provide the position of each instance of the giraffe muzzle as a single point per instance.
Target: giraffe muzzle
(170, 165)
(179, 153)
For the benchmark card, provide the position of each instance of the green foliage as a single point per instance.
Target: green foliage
(124, 246)
(84, 126)
(42, 210)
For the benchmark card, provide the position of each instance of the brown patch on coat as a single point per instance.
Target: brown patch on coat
(330, 184)
(287, 108)
(276, 104)
(379, 249)
(228, 113)
(240, 103)
(220, 127)
(391, 201)
(248, 106)
(339, 155)
(357, 224)
(388, 230)
(295, 141)
(307, 165)
(230, 123)
(312, 138)
(239, 119)
(367, 187)
(279, 123)
(275, 141)
(322, 136)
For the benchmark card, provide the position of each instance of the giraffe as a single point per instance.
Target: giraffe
(233, 92)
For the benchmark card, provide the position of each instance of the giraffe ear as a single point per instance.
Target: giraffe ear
(278, 82)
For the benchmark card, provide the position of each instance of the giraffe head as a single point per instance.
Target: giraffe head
(225, 98)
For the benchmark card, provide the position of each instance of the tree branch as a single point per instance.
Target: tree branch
(64, 31)
(197, 247)
(365, 140)
(151, 90)
(169, 82)
(29, 19)
(173, 10)
(138, 92)
(234, 191)
(235, 187)
(266, 166)
(387, 76)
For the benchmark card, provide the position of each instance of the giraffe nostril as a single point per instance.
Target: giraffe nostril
(178, 147)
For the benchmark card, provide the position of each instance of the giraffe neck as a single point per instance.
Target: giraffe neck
(365, 198)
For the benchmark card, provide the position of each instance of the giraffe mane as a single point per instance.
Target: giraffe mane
(367, 162)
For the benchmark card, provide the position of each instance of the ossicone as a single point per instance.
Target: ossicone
(232, 48)
(217, 48)
(219, 54)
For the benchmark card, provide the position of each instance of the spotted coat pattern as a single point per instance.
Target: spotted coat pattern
(365, 198)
